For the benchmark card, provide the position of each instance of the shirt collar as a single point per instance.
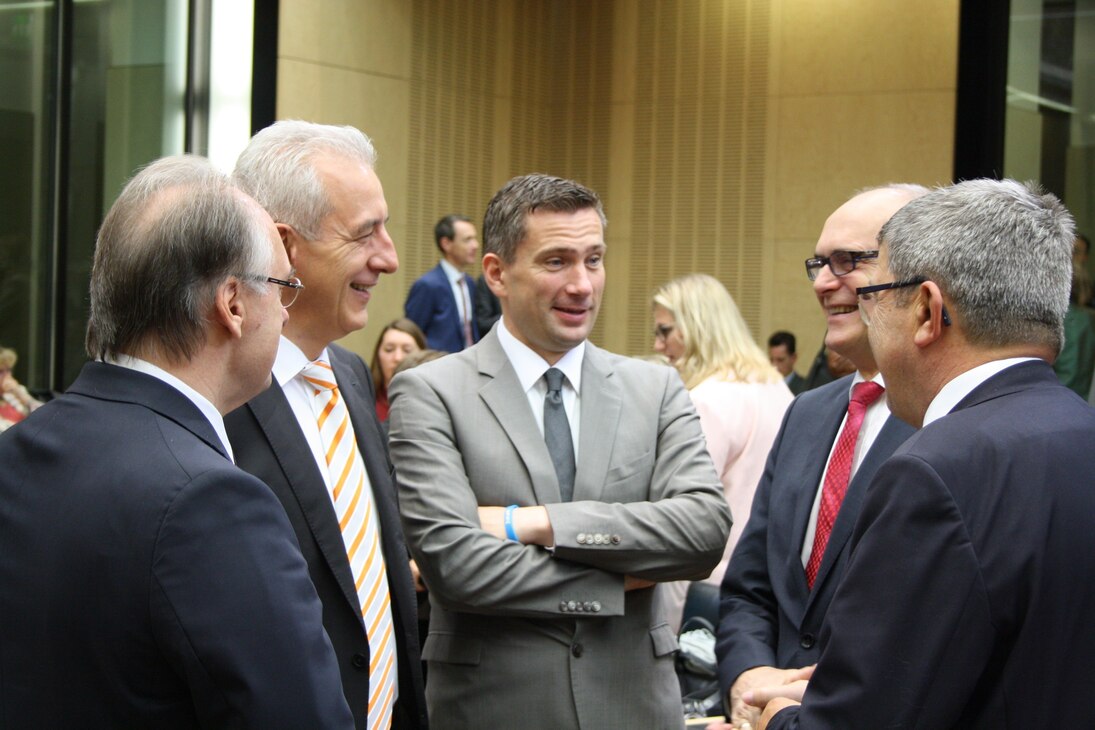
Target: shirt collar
(451, 272)
(530, 367)
(291, 360)
(958, 388)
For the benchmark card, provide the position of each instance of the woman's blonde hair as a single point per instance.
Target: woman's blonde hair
(716, 338)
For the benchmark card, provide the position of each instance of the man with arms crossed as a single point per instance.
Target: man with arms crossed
(545, 486)
(313, 435)
(968, 597)
(783, 573)
(148, 582)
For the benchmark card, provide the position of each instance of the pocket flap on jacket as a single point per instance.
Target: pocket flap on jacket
(665, 641)
(452, 649)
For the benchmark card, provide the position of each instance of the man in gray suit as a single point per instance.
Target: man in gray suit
(541, 513)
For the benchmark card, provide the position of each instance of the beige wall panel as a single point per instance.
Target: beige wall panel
(366, 35)
(720, 133)
(831, 146)
(841, 46)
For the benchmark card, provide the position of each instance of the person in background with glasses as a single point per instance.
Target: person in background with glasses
(971, 557)
(147, 581)
(794, 549)
(738, 393)
(313, 436)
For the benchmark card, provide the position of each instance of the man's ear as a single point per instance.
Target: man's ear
(493, 273)
(291, 240)
(229, 309)
(928, 309)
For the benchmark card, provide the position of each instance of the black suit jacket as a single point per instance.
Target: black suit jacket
(269, 444)
(767, 614)
(145, 581)
(970, 592)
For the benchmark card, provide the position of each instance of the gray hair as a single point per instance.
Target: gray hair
(176, 232)
(277, 169)
(1002, 252)
(504, 221)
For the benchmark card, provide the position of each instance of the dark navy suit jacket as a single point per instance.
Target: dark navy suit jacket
(145, 581)
(970, 591)
(767, 615)
(433, 307)
(269, 443)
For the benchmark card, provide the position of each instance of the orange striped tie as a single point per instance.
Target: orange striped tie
(361, 534)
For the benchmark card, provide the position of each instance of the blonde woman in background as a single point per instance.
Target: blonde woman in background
(739, 396)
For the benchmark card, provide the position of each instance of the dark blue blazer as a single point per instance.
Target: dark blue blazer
(767, 615)
(269, 444)
(145, 581)
(970, 591)
(432, 306)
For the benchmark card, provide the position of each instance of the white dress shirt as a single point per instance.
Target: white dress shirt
(530, 368)
(958, 388)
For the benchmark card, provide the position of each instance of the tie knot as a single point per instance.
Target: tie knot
(319, 375)
(866, 393)
(554, 378)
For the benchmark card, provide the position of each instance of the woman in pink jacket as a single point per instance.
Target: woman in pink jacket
(739, 396)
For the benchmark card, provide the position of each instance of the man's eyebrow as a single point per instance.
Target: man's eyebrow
(369, 225)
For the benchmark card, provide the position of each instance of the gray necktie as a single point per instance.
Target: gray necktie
(557, 433)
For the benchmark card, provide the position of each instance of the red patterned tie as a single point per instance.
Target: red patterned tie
(840, 471)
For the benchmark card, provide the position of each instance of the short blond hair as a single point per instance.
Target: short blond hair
(716, 339)
(7, 358)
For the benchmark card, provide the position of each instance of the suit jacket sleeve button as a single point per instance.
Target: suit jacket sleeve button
(807, 641)
(615, 539)
(360, 661)
(571, 605)
(563, 606)
(596, 606)
(581, 538)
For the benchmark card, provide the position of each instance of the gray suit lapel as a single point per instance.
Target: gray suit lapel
(600, 419)
(504, 397)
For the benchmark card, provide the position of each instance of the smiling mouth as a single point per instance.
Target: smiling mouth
(360, 288)
(842, 310)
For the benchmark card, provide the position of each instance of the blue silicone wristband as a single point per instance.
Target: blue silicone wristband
(507, 520)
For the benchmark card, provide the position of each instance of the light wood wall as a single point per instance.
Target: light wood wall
(720, 133)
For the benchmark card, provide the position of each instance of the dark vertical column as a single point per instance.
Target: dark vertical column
(59, 163)
(1055, 82)
(264, 66)
(982, 89)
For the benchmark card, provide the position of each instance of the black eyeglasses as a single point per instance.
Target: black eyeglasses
(867, 295)
(839, 262)
(290, 289)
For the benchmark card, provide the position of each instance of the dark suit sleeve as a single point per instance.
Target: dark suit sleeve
(909, 631)
(748, 609)
(236, 613)
(419, 305)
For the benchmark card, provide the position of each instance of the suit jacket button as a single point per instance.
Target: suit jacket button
(563, 606)
(596, 606)
(571, 605)
(360, 661)
(807, 641)
(598, 539)
(615, 539)
(576, 649)
(581, 538)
